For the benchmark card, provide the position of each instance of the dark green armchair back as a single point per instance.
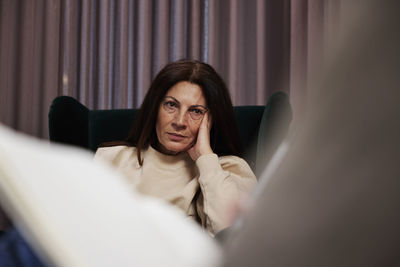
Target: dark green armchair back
(72, 123)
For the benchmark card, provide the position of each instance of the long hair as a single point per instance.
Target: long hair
(225, 138)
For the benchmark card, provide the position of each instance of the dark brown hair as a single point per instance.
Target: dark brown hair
(225, 138)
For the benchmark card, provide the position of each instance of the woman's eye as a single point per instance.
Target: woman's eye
(170, 104)
(197, 111)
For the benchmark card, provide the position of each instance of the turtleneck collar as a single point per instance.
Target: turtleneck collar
(165, 161)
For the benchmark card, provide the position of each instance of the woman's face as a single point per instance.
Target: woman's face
(179, 116)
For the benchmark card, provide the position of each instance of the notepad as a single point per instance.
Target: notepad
(78, 212)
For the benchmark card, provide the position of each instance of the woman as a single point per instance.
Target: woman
(185, 145)
(184, 148)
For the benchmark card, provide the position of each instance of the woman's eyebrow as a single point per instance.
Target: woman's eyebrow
(173, 98)
(198, 106)
(177, 101)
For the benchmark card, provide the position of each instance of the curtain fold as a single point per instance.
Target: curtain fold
(106, 52)
(29, 51)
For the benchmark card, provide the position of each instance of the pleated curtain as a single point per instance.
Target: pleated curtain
(106, 52)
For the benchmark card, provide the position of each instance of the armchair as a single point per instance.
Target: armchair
(262, 128)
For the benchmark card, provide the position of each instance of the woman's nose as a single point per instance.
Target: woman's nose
(180, 118)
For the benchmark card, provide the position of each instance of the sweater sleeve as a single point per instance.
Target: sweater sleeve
(223, 181)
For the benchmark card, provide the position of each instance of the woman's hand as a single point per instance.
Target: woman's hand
(202, 145)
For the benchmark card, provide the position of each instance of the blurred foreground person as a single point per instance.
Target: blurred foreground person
(69, 210)
(334, 199)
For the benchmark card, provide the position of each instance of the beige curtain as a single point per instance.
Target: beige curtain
(106, 52)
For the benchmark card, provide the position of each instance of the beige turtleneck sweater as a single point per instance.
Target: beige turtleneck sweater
(205, 190)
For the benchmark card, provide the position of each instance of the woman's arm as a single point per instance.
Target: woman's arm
(224, 182)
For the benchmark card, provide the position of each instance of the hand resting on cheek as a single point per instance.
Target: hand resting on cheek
(201, 144)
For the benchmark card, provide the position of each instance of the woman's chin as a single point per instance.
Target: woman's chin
(173, 149)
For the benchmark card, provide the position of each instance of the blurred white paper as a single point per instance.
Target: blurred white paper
(77, 212)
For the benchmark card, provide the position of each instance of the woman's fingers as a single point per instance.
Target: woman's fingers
(209, 121)
(206, 122)
(202, 145)
(204, 130)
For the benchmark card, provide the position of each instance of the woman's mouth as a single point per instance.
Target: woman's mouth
(175, 137)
